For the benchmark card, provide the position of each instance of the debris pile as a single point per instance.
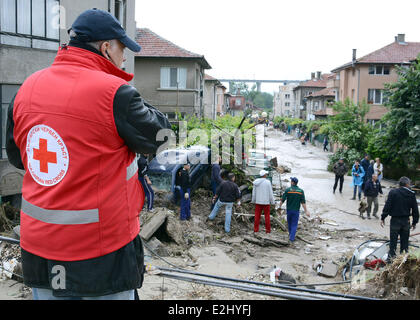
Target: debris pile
(402, 277)
(10, 262)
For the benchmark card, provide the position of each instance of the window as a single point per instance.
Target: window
(7, 92)
(287, 104)
(120, 12)
(379, 70)
(287, 96)
(238, 102)
(375, 96)
(30, 23)
(173, 78)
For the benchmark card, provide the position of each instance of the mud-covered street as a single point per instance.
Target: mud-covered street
(332, 233)
(328, 237)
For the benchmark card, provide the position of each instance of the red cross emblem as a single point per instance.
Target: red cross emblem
(44, 156)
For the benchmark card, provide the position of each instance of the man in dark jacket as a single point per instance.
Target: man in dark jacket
(340, 170)
(365, 164)
(185, 192)
(400, 205)
(227, 193)
(216, 178)
(115, 275)
(372, 189)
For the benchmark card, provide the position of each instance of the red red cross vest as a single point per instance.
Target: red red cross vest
(81, 197)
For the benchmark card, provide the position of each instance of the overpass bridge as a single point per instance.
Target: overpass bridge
(259, 81)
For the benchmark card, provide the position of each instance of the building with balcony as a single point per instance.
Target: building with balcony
(364, 79)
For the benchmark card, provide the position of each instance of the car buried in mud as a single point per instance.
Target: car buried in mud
(164, 168)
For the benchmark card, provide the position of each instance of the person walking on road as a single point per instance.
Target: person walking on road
(372, 189)
(143, 165)
(340, 170)
(326, 143)
(295, 197)
(358, 173)
(185, 192)
(75, 128)
(365, 163)
(370, 171)
(262, 197)
(227, 193)
(400, 205)
(378, 167)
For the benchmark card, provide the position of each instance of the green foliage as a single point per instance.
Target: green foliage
(349, 156)
(260, 99)
(348, 127)
(397, 141)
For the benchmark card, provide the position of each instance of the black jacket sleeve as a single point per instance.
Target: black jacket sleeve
(415, 211)
(388, 205)
(137, 121)
(12, 150)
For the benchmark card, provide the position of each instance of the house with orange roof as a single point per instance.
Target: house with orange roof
(168, 76)
(363, 79)
(306, 88)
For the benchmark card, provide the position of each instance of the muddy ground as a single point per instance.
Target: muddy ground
(329, 236)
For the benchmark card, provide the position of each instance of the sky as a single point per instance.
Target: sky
(276, 39)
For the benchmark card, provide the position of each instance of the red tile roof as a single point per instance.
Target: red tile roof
(317, 83)
(327, 92)
(210, 78)
(153, 45)
(394, 53)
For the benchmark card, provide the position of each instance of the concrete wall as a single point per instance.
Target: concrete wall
(209, 99)
(147, 82)
(17, 63)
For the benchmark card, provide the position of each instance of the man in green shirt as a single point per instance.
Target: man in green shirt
(294, 197)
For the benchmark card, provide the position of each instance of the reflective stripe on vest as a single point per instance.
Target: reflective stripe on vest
(64, 217)
(132, 169)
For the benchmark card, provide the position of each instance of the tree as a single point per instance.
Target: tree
(349, 130)
(397, 142)
(260, 99)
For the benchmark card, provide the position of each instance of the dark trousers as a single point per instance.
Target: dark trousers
(341, 178)
(292, 223)
(400, 226)
(185, 205)
(325, 147)
(148, 191)
(355, 191)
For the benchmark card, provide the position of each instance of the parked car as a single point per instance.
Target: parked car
(164, 168)
(258, 158)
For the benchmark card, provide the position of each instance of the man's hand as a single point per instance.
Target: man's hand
(413, 227)
(186, 196)
(307, 213)
(382, 223)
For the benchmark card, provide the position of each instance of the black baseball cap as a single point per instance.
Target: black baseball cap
(96, 25)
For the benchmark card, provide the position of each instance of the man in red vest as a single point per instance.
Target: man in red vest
(75, 128)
